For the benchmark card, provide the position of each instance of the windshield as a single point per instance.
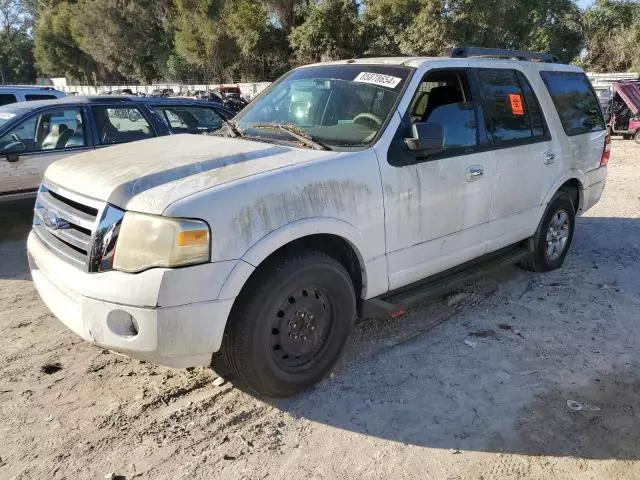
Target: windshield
(7, 114)
(337, 105)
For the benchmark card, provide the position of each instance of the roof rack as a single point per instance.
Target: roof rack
(466, 52)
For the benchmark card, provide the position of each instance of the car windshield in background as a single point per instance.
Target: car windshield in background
(336, 105)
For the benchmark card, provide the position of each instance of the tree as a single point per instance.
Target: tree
(131, 41)
(57, 51)
(16, 56)
(331, 31)
(612, 36)
(433, 27)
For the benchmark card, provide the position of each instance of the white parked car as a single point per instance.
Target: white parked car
(341, 183)
(10, 94)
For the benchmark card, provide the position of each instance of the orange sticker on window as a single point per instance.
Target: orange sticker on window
(516, 104)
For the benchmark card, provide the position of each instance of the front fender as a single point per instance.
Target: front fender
(373, 263)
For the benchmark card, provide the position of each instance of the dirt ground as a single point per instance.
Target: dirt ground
(481, 396)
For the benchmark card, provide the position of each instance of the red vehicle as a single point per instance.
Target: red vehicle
(624, 110)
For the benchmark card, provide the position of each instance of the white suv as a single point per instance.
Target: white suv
(342, 182)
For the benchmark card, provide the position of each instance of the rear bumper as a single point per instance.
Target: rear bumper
(594, 186)
(182, 335)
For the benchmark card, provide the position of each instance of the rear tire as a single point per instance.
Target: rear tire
(289, 325)
(636, 137)
(552, 240)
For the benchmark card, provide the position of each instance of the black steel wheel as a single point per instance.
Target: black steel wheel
(301, 327)
(289, 325)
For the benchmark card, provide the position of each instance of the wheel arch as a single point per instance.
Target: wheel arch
(334, 237)
(573, 183)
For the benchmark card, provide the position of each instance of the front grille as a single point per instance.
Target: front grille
(73, 227)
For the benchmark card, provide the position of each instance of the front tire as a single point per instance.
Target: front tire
(553, 238)
(289, 325)
(636, 137)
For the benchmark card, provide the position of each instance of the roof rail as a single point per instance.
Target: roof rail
(111, 98)
(466, 52)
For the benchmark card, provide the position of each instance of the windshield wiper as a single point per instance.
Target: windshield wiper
(296, 132)
(233, 128)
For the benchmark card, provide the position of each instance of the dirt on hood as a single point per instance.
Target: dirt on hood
(148, 175)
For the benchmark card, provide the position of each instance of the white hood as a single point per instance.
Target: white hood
(149, 175)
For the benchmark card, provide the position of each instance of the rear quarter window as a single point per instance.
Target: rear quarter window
(33, 97)
(7, 98)
(575, 102)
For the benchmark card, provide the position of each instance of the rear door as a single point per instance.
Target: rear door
(525, 159)
(114, 124)
(580, 115)
(47, 136)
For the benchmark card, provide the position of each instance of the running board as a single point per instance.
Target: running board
(395, 303)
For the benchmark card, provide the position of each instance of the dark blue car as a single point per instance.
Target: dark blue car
(34, 134)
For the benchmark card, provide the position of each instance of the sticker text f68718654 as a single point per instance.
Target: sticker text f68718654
(378, 79)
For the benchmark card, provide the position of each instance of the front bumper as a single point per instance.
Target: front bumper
(164, 316)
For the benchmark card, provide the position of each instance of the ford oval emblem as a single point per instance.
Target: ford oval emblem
(52, 219)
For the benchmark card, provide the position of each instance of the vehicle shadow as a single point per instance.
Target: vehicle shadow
(537, 342)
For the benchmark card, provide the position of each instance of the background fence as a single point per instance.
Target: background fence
(248, 89)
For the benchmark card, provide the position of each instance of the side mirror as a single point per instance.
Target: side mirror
(428, 138)
(12, 151)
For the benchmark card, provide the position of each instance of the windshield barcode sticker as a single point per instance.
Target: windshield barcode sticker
(378, 79)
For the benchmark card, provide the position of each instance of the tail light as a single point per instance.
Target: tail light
(606, 153)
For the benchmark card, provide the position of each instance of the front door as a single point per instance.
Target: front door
(437, 207)
(47, 136)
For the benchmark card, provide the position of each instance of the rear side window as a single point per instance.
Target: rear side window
(7, 98)
(511, 108)
(189, 119)
(39, 97)
(575, 101)
(121, 125)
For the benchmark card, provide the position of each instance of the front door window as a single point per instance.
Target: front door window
(50, 130)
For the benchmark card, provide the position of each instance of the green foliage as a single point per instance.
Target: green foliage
(126, 37)
(433, 27)
(246, 40)
(612, 31)
(331, 32)
(16, 46)
(57, 51)
(16, 58)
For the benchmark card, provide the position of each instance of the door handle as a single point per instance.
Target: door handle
(549, 158)
(474, 173)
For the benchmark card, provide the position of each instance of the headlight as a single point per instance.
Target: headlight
(147, 241)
